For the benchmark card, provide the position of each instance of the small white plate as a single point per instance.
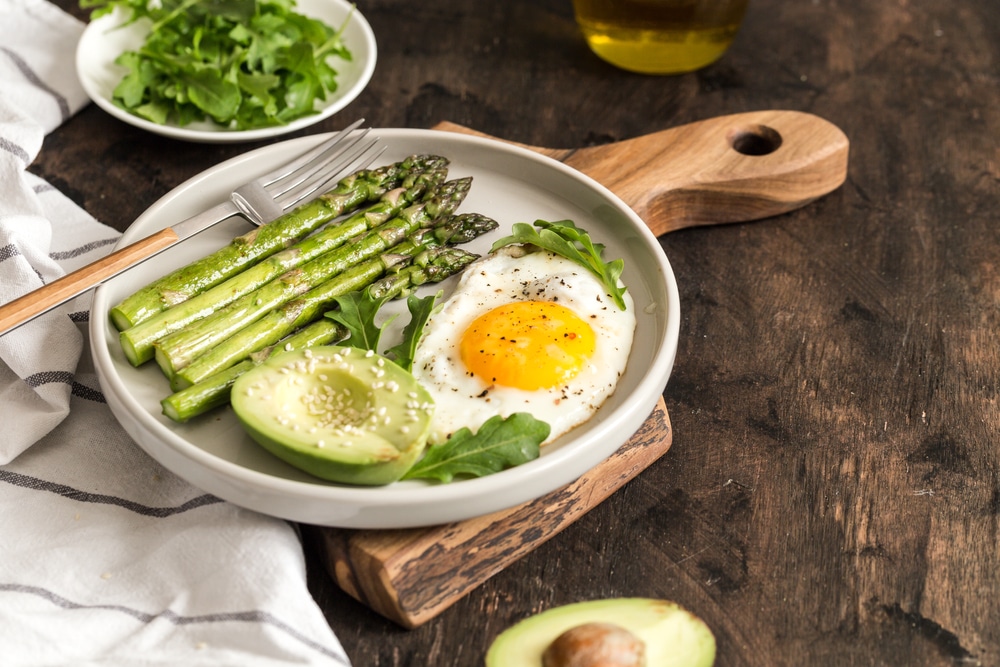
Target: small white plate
(102, 42)
(510, 184)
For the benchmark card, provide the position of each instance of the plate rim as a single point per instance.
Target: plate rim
(340, 98)
(634, 413)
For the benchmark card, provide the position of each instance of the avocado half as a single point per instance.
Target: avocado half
(673, 637)
(338, 413)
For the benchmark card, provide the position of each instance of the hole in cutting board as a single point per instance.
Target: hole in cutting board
(755, 140)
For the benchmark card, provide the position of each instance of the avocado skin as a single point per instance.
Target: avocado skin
(374, 457)
(361, 474)
(674, 637)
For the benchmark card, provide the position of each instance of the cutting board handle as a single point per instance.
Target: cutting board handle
(734, 168)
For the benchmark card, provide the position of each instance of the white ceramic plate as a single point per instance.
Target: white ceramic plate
(510, 184)
(102, 43)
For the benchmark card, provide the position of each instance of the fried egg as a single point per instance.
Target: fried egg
(523, 332)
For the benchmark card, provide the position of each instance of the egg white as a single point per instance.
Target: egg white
(464, 400)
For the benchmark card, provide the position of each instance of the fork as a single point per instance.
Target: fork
(260, 201)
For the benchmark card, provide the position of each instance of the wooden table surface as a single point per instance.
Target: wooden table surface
(832, 495)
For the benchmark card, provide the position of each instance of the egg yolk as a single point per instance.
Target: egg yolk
(528, 345)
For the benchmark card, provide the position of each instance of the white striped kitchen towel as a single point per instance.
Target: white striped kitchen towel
(106, 558)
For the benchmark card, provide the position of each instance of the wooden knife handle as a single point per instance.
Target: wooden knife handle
(73, 284)
(733, 168)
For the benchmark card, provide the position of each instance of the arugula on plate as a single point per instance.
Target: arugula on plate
(420, 311)
(500, 443)
(356, 312)
(243, 64)
(566, 239)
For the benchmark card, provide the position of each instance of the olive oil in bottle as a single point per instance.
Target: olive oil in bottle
(659, 36)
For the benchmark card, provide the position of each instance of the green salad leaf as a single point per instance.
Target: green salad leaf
(420, 310)
(566, 239)
(356, 312)
(498, 444)
(243, 64)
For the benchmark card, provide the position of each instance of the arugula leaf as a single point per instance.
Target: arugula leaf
(241, 63)
(420, 311)
(217, 97)
(131, 89)
(566, 239)
(498, 444)
(357, 313)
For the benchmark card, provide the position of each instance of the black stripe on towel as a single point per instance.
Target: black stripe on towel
(37, 82)
(15, 150)
(65, 377)
(82, 250)
(85, 392)
(28, 482)
(48, 377)
(254, 616)
(9, 250)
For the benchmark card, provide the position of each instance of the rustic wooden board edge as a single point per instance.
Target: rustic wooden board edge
(412, 575)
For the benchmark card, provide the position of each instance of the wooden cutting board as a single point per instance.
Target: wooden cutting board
(729, 169)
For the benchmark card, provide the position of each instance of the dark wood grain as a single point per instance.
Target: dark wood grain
(832, 495)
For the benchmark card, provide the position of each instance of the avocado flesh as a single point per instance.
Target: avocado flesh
(673, 636)
(337, 413)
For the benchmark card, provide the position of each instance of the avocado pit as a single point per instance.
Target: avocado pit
(595, 644)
